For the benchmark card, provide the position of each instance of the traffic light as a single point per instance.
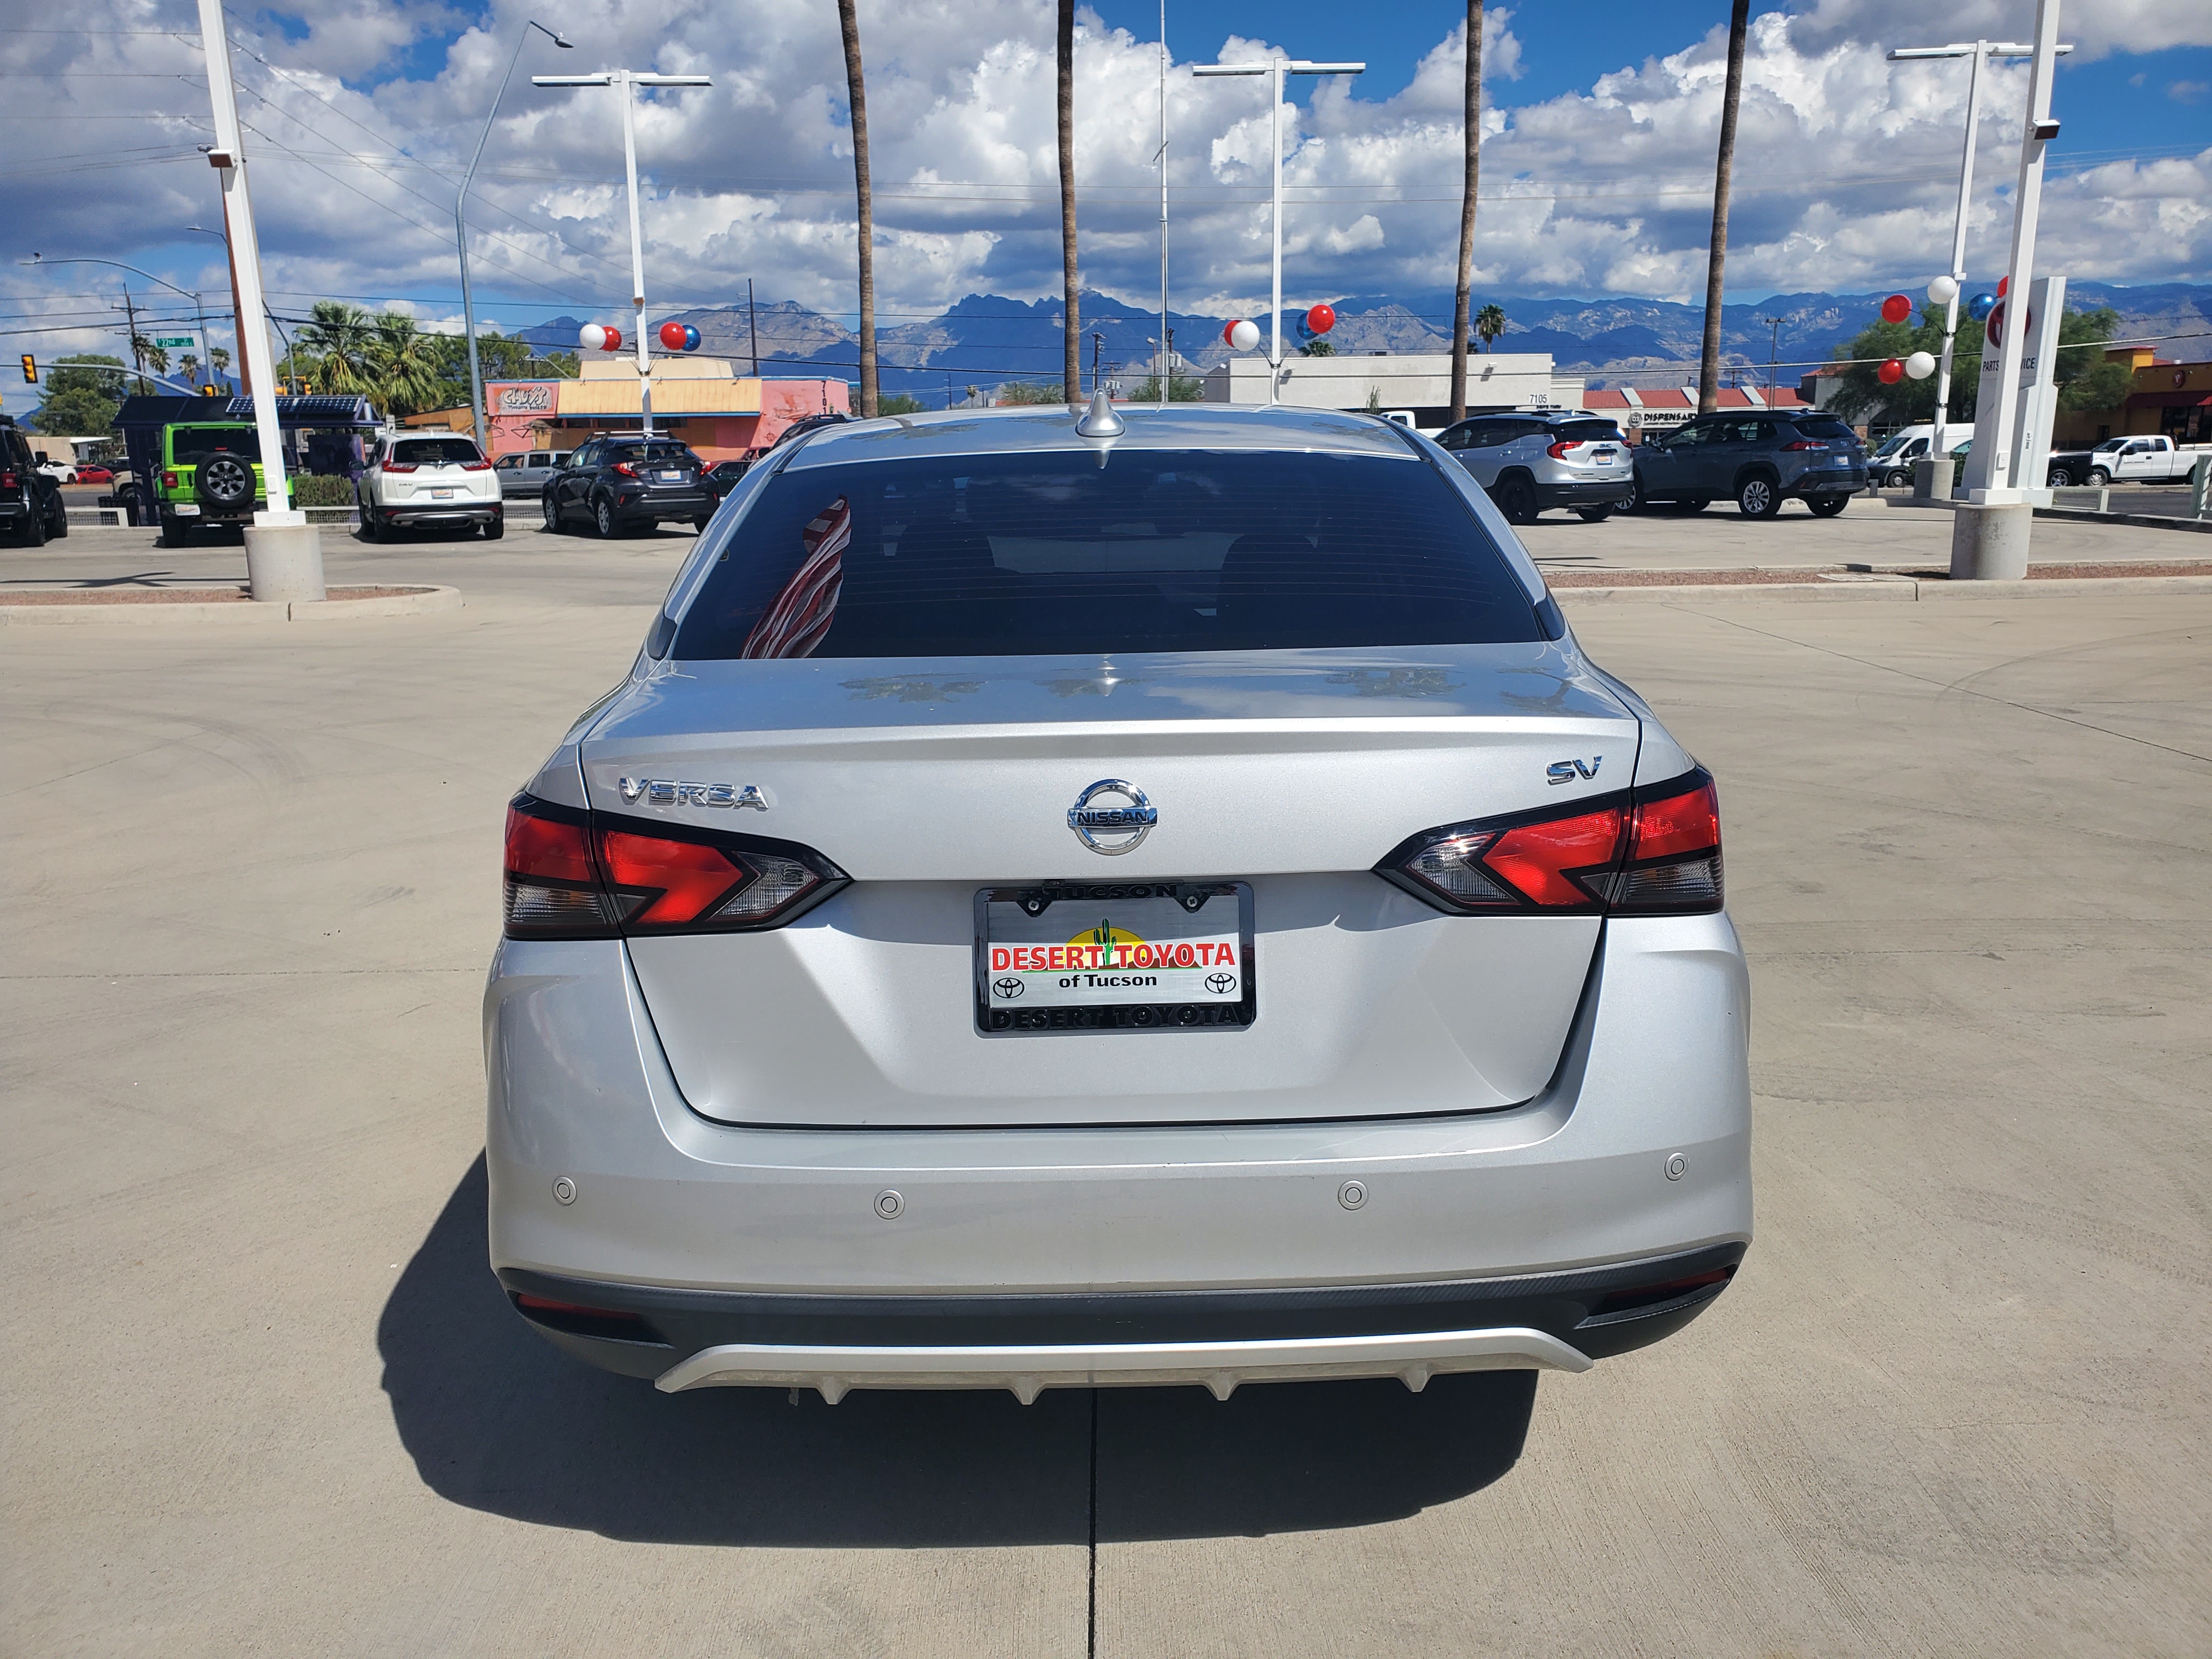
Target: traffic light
(208, 391)
(30, 369)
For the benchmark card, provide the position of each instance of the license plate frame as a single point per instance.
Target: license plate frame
(1116, 1012)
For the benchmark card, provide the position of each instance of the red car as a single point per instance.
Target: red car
(92, 472)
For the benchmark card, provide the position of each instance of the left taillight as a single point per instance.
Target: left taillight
(553, 889)
(572, 874)
(1654, 851)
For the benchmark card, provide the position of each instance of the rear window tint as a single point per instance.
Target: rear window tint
(1822, 426)
(434, 452)
(1586, 432)
(659, 454)
(197, 443)
(1034, 555)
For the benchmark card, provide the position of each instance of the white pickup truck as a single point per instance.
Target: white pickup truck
(2156, 459)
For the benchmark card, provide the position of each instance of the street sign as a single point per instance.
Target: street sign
(186, 342)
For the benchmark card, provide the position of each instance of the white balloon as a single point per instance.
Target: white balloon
(1920, 365)
(592, 336)
(1245, 335)
(1942, 291)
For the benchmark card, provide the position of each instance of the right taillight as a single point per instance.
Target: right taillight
(572, 874)
(1654, 851)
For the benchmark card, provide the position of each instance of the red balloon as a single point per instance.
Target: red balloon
(1890, 372)
(2003, 282)
(613, 340)
(1322, 319)
(1896, 308)
(672, 336)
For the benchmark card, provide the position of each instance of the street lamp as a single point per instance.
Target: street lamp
(461, 230)
(628, 80)
(41, 259)
(1979, 51)
(1774, 350)
(1275, 69)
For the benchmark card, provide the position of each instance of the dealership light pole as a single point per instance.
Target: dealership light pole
(627, 80)
(1275, 69)
(284, 551)
(461, 229)
(1979, 52)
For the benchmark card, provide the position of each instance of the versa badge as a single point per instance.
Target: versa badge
(667, 792)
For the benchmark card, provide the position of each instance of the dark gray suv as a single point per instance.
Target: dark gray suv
(31, 504)
(1760, 459)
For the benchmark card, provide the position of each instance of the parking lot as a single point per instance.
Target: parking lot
(265, 1397)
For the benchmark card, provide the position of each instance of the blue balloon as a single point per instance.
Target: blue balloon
(1980, 306)
(690, 337)
(1305, 330)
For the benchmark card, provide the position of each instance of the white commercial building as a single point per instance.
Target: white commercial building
(1421, 382)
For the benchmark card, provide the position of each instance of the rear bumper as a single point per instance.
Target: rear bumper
(1637, 1154)
(1836, 481)
(689, 505)
(441, 513)
(1609, 492)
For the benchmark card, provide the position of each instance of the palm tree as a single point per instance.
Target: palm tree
(1072, 363)
(334, 346)
(403, 366)
(1489, 323)
(857, 92)
(1473, 143)
(1709, 359)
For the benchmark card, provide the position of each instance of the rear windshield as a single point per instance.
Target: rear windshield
(196, 443)
(435, 451)
(657, 454)
(1157, 551)
(1826, 427)
(1586, 432)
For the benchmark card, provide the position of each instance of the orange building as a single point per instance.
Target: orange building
(699, 400)
(2175, 398)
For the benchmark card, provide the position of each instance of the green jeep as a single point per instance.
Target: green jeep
(210, 474)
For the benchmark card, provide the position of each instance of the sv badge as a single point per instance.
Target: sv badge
(667, 792)
(1566, 771)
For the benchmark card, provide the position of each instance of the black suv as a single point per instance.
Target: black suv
(31, 506)
(621, 483)
(1760, 458)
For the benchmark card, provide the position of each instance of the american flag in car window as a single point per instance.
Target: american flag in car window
(803, 611)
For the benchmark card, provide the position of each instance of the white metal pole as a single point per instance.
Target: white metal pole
(1999, 432)
(1959, 247)
(229, 158)
(637, 252)
(1275, 319)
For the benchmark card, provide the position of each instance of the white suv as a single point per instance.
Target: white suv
(1529, 462)
(442, 480)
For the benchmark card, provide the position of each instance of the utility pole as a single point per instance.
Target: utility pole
(1164, 370)
(1979, 53)
(628, 81)
(752, 322)
(1275, 69)
(283, 552)
(1773, 351)
(138, 356)
(461, 228)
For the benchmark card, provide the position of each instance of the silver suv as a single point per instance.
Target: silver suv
(1161, 897)
(1529, 462)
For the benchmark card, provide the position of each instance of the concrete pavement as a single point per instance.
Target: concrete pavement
(263, 1397)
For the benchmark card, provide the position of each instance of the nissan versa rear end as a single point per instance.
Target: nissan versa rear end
(1153, 895)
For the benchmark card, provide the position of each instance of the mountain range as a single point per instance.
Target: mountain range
(987, 340)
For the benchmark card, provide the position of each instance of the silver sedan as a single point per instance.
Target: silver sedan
(1147, 895)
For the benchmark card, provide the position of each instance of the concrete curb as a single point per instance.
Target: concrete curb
(1905, 590)
(232, 613)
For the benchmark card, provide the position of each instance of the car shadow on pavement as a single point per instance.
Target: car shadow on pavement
(498, 1420)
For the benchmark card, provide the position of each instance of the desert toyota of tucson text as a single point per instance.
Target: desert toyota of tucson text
(1113, 897)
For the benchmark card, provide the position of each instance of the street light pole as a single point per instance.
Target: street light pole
(1979, 54)
(628, 80)
(237, 313)
(1275, 69)
(461, 229)
(1773, 351)
(41, 259)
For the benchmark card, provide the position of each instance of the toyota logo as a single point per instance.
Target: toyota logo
(1008, 988)
(1221, 984)
(1111, 828)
